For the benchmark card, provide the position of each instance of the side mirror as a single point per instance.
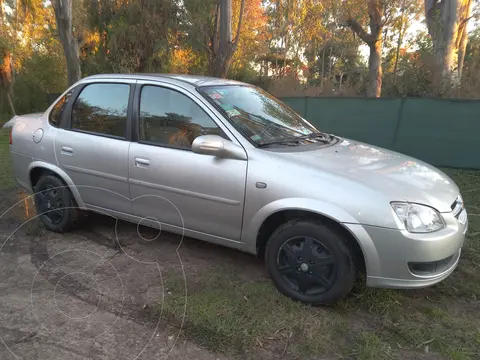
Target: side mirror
(217, 146)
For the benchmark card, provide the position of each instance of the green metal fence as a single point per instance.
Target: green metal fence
(443, 132)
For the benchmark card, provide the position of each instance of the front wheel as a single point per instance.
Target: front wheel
(310, 262)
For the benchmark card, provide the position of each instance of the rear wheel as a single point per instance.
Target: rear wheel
(310, 262)
(55, 204)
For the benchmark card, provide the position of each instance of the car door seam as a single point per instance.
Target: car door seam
(96, 173)
(185, 192)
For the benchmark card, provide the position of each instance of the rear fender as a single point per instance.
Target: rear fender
(63, 175)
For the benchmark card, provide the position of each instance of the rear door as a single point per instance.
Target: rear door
(171, 184)
(93, 147)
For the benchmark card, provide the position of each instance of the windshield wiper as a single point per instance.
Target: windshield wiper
(321, 137)
(295, 140)
(291, 141)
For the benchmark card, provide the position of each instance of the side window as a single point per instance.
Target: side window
(102, 109)
(55, 117)
(170, 118)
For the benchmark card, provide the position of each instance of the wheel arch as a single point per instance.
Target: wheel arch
(38, 168)
(270, 217)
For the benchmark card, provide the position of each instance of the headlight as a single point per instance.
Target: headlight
(418, 218)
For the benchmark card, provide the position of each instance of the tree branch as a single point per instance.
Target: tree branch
(214, 40)
(464, 21)
(235, 41)
(358, 29)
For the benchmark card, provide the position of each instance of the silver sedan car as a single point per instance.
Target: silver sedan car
(225, 162)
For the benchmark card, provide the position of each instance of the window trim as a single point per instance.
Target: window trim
(65, 110)
(136, 113)
(152, 143)
(128, 122)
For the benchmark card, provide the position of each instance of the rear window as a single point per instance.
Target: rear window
(102, 109)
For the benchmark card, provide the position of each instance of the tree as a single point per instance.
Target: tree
(129, 35)
(447, 22)
(374, 41)
(35, 63)
(251, 43)
(223, 46)
(6, 70)
(63, 16)
(409, 11)
(413, 75)
(380, 15)
(470, 86)
(293, 27)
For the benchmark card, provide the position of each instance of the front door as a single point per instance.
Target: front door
(93, 148)
(171, 184)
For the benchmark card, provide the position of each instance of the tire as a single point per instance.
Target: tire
(310, 262)
(55, 204)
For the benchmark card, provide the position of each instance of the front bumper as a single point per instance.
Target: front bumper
(393, 257)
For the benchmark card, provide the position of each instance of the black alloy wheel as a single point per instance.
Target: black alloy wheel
(55, 204)
(307, 265)
(310, 261)
(50, 204)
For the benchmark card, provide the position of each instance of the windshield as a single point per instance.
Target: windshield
(258, 115)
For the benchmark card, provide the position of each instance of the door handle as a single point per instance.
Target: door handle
(142, 162)
(67, 150)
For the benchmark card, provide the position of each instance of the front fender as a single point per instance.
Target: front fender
(314, 206)
(251, 228)
(63, 175)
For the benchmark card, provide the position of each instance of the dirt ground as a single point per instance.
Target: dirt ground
(86, 294)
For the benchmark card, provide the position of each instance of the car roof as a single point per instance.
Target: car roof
(194, 80)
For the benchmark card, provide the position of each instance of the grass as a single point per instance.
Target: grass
(368, 346)
(228, 314)
(6, 178)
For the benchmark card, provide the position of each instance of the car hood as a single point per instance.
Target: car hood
(397, 176)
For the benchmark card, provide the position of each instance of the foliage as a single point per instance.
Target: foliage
(414, 69)
(291, 47)
(28, 36)
(38, 76)
(133, 36)
(252, 39)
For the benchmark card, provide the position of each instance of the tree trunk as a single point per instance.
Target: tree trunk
(226, 47)
(462, 38)
(399, 44)
(322, 74)
(374, 88)
(63, 16)
(6, 77)
(446, 22)
(374, 41)
(443, 44)
(1, 15)
(330, 65)
(222, 63)
(461, 53)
